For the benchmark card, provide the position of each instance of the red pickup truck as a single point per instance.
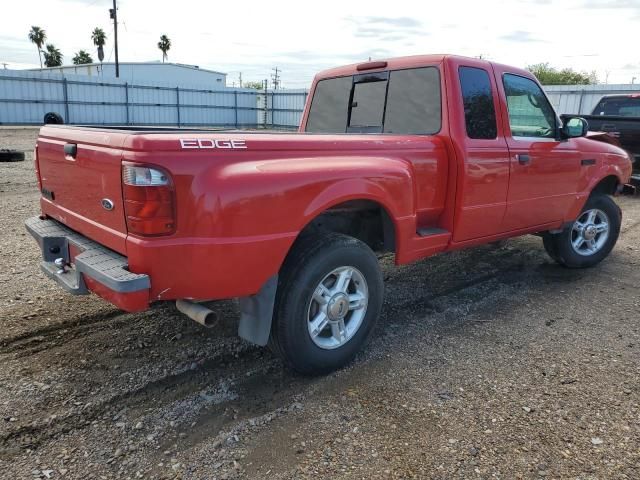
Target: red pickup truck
(415, 155)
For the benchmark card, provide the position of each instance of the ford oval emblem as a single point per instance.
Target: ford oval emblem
(107, 204)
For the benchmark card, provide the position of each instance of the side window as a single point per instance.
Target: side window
(330, 106)
(530, 114)
(413, 101)
(618, 106)
(479, 110)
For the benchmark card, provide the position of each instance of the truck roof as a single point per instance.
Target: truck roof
(621, 95)
(412, 61)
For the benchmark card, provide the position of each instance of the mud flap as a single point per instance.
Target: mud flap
(256, 313)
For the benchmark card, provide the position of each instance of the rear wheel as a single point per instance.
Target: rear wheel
(591, 237)
(328, 302)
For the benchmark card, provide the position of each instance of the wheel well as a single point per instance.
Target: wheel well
(365, 220)
(608, 186)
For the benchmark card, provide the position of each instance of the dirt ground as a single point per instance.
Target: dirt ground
(488, 363)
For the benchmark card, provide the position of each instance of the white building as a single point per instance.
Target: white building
(142, 72)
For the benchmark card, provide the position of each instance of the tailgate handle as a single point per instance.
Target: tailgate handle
(71, 149)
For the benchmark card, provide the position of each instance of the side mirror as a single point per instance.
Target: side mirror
(573, 127)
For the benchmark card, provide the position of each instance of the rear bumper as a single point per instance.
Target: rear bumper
(89, 266)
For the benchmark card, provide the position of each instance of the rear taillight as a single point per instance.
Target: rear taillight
(36, 164)
(148, 200)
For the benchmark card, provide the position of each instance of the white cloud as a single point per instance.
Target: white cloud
(303, 37)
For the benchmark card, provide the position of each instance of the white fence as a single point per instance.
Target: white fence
(25, 97)
(581, 99)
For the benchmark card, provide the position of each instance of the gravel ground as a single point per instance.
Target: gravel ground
(488, 363)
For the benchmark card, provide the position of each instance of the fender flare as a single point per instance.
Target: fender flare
(256, 311)
(581, 198)
(604, 172)
(352, 189)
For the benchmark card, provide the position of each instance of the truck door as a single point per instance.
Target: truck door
(544, 171)
(483, 166)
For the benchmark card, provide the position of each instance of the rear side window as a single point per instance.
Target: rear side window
(400, 101)
(479, 110)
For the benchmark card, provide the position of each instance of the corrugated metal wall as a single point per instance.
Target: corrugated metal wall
(581, 99)
(25, 97)
(287, 106)
(142, 72)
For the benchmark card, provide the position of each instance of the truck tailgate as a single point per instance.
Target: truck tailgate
(82, 187)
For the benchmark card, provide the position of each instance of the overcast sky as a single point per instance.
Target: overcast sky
(302, 37)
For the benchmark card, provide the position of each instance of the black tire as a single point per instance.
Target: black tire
(53, 118)
(11, 156)
(309, 262)
(559, 246)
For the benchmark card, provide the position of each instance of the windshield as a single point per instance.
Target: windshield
(618, 106)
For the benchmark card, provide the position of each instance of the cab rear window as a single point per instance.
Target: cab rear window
(399, 101)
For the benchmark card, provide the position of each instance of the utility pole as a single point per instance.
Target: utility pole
(113, 14)
(240, 79)
(265, 114)
(276, 78)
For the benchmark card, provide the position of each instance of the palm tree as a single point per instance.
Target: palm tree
(38, 36)
(99, 38)
(82, 57)
(52, 56)
(164, 45)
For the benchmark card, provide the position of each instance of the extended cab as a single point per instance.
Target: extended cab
(416, 155)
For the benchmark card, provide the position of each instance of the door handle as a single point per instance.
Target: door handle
(523, 159)
(71, 149)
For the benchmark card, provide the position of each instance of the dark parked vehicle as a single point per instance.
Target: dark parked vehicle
(619, 116)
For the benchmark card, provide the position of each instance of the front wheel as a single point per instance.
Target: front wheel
(328, 302)
(591, 237)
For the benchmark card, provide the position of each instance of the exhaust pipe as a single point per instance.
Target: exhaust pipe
(197, 312)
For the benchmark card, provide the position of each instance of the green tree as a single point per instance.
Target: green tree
(547, 75)
(256, 85)
(99, 38)
(164, 45)
(82, 57)
(38, 36)
(52, 56)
